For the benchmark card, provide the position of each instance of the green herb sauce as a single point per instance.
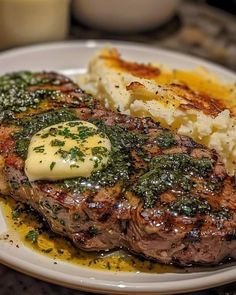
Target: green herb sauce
(119, 167)
(57, 142)
(190, 206)
(30, 126)
(32, 236)
(166, 140)
(168, 172)
(15, 96)
(174, 172)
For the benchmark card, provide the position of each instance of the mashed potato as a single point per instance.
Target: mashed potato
(191, 103)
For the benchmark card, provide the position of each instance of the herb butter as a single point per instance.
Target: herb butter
(67, 150)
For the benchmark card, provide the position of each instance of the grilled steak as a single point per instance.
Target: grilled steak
(162, 196)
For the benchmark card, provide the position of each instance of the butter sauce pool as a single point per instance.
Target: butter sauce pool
(34, 234)
(23, 222)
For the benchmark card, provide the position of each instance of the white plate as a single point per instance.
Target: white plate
(72, 58)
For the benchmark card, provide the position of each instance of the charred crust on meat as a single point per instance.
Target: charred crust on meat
(105, 216)
(195, 234)
(231, 236)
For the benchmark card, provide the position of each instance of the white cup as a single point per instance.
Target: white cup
(123, 15)
(31, 21)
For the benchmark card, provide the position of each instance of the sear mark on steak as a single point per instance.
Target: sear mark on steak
(162, 196)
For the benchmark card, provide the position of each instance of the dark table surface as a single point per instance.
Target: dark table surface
(197, 29)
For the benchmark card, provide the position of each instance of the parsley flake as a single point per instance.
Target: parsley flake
(57, 142)
(52, 165)
(39, 149)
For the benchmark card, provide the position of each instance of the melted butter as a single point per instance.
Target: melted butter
(59, 248)
(67, 150)
(44, 105)
(203, 82)
(143, 94)
(199, 80)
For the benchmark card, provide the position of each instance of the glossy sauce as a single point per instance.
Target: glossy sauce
(57, 247)
(205, 84)
(198, 80)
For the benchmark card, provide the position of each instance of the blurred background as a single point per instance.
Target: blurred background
(206, 28)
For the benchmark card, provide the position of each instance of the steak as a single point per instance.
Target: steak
(162, 195)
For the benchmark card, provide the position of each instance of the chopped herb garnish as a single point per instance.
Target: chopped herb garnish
(168, 172)
(52, 132)
(57, 142)
(183, 163)
(157, 181)
(16, 213)
(65, 132)
(39, 149)
(85, 132)
(32, 236)
(74, 166)
(224, 213)
(74, 154)
(166, 140)
(99, 152)
(16, 96)
(189, 206)
(30, 126)
(52, 165)
(119, 166)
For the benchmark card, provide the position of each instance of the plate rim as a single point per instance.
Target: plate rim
(93, 43)
(106, 286)
(98, 285)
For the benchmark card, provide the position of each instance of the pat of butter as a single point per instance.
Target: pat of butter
(67, 150)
